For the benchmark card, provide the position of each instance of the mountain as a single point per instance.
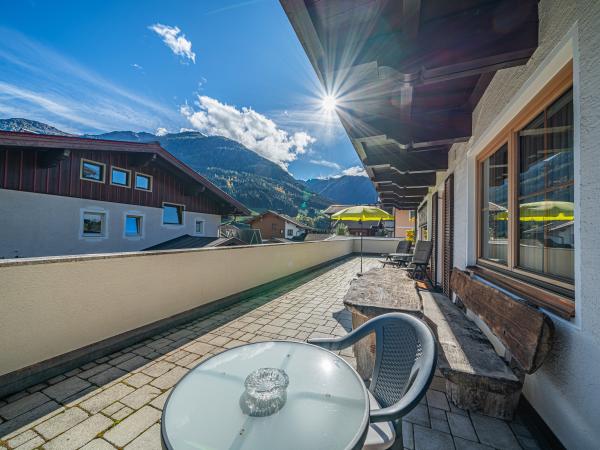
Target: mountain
(344, 190)
(253, 180)
(29, 126)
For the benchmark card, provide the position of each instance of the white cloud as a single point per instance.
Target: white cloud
(257, 132)
(355, 171)
(325, 163)
(175, 40)
(160, 131)
(137, 66)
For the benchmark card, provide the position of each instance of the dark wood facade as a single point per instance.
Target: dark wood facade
(56, 171)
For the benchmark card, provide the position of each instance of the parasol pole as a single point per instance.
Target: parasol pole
(361, 244)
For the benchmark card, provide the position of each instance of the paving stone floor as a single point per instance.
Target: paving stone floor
(116, 401)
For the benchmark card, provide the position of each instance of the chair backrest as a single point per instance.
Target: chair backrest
(405, 359)
(422, 252)
(403, 247)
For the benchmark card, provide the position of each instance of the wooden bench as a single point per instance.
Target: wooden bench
(477, 377)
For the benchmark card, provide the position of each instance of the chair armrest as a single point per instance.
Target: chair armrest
(345, 341)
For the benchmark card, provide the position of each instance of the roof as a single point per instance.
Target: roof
(44, 142)
(188, 241)
(283, 217)
(185, 241)
(408, 76)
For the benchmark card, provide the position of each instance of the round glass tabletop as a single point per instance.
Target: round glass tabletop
(324, 405)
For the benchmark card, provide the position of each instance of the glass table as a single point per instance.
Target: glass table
(324, 406)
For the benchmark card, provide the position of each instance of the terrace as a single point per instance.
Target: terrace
(115, 401)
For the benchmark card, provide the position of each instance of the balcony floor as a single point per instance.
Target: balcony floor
(116, 401)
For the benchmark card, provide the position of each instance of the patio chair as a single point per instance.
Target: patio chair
(399, 257)
(420, 260)
(405, 360)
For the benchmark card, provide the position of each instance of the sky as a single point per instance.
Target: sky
(231, 68)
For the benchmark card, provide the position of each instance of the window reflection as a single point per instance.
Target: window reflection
(546, 193)
(494, 208)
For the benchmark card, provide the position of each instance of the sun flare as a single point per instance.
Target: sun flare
(329, 103)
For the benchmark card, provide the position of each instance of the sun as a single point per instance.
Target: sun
(329, 103)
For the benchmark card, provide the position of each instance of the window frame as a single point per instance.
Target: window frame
(150, 179)
(128, 172)
(563, 291)
(196, 232)
(103, 227)
(173, 224)
(90, 161)
(141, 217)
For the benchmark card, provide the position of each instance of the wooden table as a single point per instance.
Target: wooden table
(379, 291)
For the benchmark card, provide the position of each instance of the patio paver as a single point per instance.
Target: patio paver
(117, 400)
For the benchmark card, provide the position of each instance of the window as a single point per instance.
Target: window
(172, 214)
(290, 232)
(526, 198)
(120, 177)
(143, 182)
(199, 226)
(546, 194)
(92, 171)
(494, 207)
(94, 224)
(133, 225)
(422, 219)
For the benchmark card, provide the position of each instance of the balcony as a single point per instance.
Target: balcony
(165, 313)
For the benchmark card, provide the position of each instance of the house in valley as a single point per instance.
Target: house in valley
(273, 225)
(63, 195)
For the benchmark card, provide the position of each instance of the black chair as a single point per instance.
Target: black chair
(399, 257)
(420, 260)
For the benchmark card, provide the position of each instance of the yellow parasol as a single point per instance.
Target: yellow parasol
(544, 211)
(362, 214)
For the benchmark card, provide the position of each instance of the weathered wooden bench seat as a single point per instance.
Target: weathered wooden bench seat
(477, 377)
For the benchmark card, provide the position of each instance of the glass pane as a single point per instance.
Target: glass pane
(92, 223)
(494, 208)
(172, 214)
(142, 182)
(133, 225)
(546, 193)
(119, 177)
(199, 227)
(91, 171)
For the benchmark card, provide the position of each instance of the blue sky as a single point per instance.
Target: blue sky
(233, 68)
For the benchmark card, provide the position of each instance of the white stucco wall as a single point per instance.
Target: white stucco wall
(48, 225)
(566, 390)
(51, 306)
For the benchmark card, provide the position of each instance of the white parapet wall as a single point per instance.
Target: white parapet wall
(51, 306)
(376, 245)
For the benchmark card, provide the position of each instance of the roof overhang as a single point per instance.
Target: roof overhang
(407, 74)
